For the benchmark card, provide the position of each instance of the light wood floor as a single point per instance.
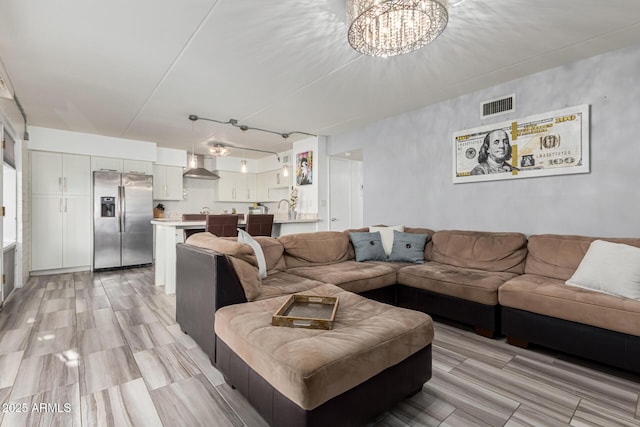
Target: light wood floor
(88, 349)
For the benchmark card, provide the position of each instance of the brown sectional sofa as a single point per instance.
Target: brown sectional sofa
(461, 280)
(538, 307)
(495, 282)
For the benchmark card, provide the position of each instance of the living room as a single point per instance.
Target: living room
(407, 178)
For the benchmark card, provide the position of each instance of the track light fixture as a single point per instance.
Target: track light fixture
(234, 122)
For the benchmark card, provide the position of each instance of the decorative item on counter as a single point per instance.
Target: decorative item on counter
(205, 211)
(233, 211)
(158, 211)
(293, 202)
(258, 208)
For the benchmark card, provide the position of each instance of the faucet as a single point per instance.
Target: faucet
(280, 202)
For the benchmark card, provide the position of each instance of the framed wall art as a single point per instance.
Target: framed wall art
(304, 168)
(553, 143)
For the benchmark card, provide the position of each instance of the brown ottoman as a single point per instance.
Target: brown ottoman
(374, 356)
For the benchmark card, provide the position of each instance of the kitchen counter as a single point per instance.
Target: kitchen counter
(178, 223)
(168, 233)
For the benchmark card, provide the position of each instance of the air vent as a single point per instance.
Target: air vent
(285, 159)
(503, 105)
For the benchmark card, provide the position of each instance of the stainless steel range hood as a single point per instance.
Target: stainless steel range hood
(199, 172)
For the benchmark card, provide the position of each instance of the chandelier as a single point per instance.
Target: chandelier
(219, 150)
(393, 27)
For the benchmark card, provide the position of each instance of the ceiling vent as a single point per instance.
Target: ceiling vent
(494, 107)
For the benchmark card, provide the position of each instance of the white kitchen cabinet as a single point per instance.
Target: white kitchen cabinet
(61, 211)
(121, 165)
(76, 231)
(271, 186)
(236, 187)
(138, 166)
(167, 183)
(106, 164)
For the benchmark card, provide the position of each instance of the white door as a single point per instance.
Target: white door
(339, 194)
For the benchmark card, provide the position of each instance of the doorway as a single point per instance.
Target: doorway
(345, 194)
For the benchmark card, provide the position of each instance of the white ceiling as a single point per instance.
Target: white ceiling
(137, 69)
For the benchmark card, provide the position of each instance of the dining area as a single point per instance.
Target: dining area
(170, 231)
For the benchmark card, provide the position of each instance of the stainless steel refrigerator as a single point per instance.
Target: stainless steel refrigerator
(122, 214)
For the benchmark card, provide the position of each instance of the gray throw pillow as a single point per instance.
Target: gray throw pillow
(408, 247)
(368, 246)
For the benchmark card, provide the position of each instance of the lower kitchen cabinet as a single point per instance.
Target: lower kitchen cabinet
(61, 230)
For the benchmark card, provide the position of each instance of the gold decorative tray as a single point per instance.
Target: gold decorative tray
(307, 311)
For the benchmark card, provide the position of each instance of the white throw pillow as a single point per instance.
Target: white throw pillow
(386, 234)
(609, 267)
(244, 237)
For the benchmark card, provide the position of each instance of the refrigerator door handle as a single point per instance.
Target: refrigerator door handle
(123, 206)
(120, 209)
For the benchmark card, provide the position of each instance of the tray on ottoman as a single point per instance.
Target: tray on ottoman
(307, 311)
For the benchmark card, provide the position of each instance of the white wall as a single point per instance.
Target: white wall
(313, 198)
(63, 141)
(407, 158)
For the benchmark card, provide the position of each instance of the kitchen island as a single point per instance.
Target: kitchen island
(169, 231)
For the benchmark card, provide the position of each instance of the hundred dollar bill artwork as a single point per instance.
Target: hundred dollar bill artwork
(553, 143)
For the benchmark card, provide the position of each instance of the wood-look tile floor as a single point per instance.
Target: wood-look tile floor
(104, 349)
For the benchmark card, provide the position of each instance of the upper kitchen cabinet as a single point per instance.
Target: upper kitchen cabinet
(236, 187)
(61, 211)
(271, 186)
(167, 183)
(137, 166)
(58, 173)
(121, 165)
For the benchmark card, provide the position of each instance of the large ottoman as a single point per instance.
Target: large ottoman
(374, 356)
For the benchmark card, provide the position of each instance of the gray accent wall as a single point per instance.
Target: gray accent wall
(408, 158)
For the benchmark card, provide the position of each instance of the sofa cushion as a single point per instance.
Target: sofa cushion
(244, 237)
(428, 250)
(387, 235)
(319, 248)
(609, 267)
(311, 366)
(351, 275)
(408, 247)
(489, 251)
(470, 284)
(241, 257)
(368, 246)
(558, 256)
(273, 253)
(551, 297)
(284, 283)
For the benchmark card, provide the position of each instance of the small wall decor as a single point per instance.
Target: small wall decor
(553, 143)
(304, 168)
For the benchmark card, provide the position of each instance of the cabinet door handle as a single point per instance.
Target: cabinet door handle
(60, 183)
(65, 204)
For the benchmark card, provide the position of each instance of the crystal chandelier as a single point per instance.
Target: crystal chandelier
(393, 27)
(219, 150)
